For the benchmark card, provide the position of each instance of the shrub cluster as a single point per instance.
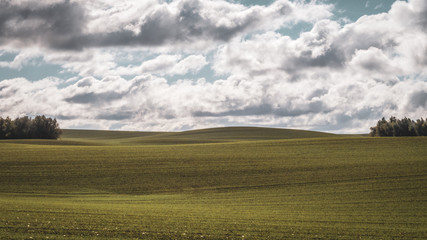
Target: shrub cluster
(40, 127)
(399, 127)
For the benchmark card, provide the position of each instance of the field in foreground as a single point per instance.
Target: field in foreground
(230, 183)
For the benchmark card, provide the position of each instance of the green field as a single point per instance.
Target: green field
(224, 183)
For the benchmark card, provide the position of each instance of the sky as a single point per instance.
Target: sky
(327, 65)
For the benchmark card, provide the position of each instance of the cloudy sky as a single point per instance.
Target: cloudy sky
(327, 65)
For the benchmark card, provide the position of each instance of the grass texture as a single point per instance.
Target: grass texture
(225, 183)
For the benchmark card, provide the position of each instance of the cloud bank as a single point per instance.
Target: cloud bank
(190, 64)
(75, 25)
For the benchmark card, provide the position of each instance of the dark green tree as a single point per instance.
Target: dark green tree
(25, 127)
(2, 133)
(399, 127)
(8, 128)
(424, 127)
(22, 128)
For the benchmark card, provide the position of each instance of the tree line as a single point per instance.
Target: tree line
(40, 127)
(399, 127)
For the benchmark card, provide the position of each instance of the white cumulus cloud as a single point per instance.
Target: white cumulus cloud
(339, 77)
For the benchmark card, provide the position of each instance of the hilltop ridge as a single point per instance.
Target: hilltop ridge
(208, 135)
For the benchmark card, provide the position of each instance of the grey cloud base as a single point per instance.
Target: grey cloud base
(63, 25)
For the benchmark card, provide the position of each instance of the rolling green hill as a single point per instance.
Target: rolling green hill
(212, 135)
(252, 183)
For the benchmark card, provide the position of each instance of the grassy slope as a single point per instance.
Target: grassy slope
(212, 135)
(332, 187)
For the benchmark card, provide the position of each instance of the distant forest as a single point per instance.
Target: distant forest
(399, 127)
(40, 127)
